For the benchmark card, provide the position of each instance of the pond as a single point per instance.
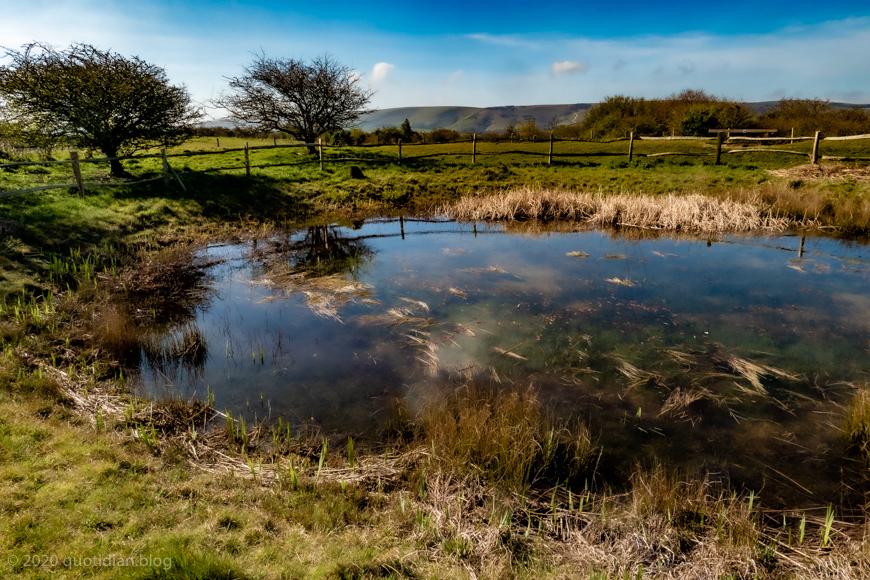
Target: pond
(732, 354)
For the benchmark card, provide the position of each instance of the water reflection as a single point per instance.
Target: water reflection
(732, 353)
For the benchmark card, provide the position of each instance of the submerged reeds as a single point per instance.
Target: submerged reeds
(503, 436)
(857, 424)
(690, 213)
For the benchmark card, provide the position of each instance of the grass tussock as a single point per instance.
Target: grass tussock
(692, 213)
(857, 424)
(504, 436)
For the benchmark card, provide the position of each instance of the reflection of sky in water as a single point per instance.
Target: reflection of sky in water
(752, 296)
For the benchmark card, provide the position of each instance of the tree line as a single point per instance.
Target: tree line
(94, 99)
(695, 112)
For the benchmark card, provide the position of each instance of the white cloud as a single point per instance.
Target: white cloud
(505, 40)
(381, 70)
(568, 67)
(453, 79)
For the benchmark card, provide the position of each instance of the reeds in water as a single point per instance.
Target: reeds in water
(690, 213)
(857, 425)
(503, 435)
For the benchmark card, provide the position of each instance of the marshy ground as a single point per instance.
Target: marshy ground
(479, 480)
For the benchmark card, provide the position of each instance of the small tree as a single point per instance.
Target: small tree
(407, 133)
(91, 98)
(300, 98)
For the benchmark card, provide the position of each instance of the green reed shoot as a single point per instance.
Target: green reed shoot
(829, 521)
(803, 529)
(322, 457)
(422, 484)
(230, 428)
(251, 466)
(294, 482)
(351, 457)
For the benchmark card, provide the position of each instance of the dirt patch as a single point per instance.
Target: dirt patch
(835, 171)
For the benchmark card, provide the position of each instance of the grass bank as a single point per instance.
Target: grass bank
(479, 484)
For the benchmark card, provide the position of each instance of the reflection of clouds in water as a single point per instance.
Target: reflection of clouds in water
(855, 309)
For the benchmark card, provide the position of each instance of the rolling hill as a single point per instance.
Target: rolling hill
(482, 120)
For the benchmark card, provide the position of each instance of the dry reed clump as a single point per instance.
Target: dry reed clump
(117, 332)
(688, 213)
(857, 424)
(183, 347)
(810, 204)
(503, 436)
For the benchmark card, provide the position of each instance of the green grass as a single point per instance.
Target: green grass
(72, 492)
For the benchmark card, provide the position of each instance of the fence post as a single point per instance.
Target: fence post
(165, 168)
(400, 151)
(792, 136)
(719, 139)
(550, 156)
(77, 171)
(474, 147)
(219, 142)
(630, 146)
(274, 141)
(320, 151)
(815, 158)
(247, 161)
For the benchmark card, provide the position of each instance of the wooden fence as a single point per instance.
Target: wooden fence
(169, 173)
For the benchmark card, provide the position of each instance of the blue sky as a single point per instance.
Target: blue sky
(486, 54)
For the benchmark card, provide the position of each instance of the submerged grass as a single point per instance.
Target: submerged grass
(857, 424)
(503, 436)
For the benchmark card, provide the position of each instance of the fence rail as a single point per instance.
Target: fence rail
(168, 172)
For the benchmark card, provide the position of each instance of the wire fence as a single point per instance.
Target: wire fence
(168, 173)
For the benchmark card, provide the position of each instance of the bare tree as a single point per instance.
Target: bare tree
(93, 98)
(300, 98)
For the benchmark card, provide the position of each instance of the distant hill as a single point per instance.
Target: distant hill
(483, 120)
(471, 119)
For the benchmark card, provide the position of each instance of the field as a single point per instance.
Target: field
(476, 485)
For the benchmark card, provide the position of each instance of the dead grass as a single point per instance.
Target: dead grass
(824, 171)
(687, 213)
(857, 424)
(502, 435)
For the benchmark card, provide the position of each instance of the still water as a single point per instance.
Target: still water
(734, 354)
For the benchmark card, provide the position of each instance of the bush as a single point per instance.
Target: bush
(442, 135)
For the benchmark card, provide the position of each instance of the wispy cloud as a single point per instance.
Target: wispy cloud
(505, 40)
(568, 67)
(454, 78)
(685, 66)
(381, 70)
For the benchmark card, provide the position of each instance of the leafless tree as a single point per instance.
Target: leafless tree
(304, 99)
